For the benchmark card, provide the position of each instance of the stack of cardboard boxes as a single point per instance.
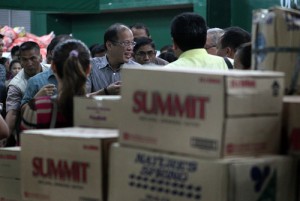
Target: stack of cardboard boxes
(10, 184)
(181, 124)
(275, 42)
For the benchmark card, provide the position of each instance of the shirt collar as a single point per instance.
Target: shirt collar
(193, 52)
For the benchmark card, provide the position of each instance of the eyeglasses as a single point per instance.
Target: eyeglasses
(143, 54)
(125, 43)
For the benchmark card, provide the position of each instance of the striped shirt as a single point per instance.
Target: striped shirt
(38, 114)
(102, 74)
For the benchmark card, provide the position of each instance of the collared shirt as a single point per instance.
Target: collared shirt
(102, 74)
(2, 74)
(16, 89)
(199, 58)
(36, 82)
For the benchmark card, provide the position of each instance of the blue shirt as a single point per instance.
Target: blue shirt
(2, 74)
(3, 92)
(102, 74)
(36, 82)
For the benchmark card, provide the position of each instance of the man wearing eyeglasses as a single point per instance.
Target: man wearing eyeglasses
(31, 59)
(213, 35)
(144, 52)
(105, 78)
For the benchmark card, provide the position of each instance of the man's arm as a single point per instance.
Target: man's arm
(112, 89)
(34, 92)
(13, 101)
(11, 118)
(4, 132)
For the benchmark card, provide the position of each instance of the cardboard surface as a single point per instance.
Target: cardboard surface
(10, 162)
(65, 164)
(96, 112)
(195, 111)
(150, 175)
(10, 189)
(276, 39)
(291, 124)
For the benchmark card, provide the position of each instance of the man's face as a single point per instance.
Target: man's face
(120, 51)
(222, 52)
(145, 54)
(1, 47)
(138, 33)
(30, 61)
(209, 46)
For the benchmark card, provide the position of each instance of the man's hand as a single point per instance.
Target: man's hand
(47, 90)
(114, 88)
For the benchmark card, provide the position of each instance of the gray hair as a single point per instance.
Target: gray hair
(215, 34)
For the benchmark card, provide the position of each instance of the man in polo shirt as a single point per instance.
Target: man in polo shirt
(189, 31)
(105, 78)
(44, 83)
(31, 59)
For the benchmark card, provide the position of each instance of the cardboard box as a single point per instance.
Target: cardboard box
(96, 112)
(65, 164)
(291, 123)
(10, 162)
(276, 39)
(205, 113)
(149, 175)
(297, 176)
(263, 178)
(10, 189)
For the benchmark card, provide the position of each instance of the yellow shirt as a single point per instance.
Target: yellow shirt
(199, 58)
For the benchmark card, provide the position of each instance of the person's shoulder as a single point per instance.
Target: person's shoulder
(45, 66)
(96, 60)
(15, 80)
(214, 57)
(2, 68)
(132, 62)
(99, 62)
(40, 75)
(160, 61)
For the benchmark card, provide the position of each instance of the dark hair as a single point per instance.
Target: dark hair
(244, 54)
(56, 40)
(1, 36)
(168, 56)
(140, 26)
(111, 34)
(14, 50)
(189, 31)
(29, 45)
(141, 42)
(72, 60)
(3, 60)
(13, 62)
(166, 48)
(97, 48)
(233, 37)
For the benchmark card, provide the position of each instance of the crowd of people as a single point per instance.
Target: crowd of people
(39, 94)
